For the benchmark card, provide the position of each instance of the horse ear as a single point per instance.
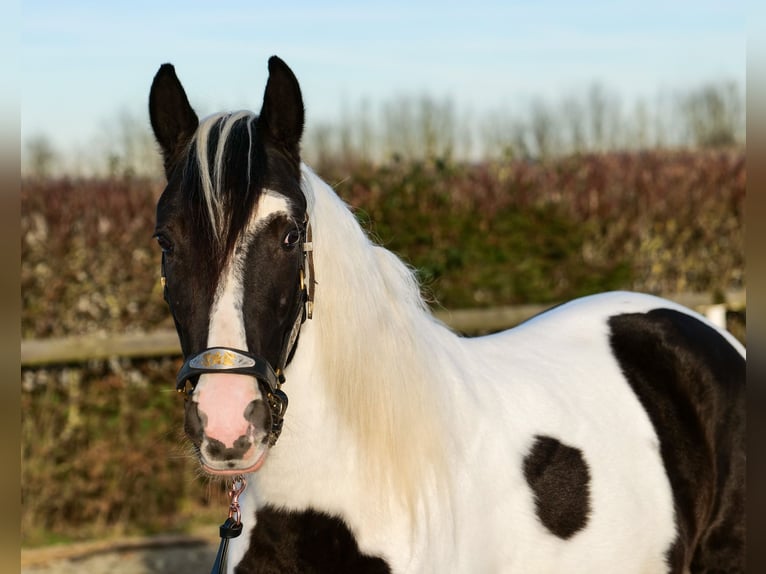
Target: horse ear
(282, 114)
(173, 119)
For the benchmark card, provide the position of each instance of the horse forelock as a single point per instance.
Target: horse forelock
(221, 179)
(227, 170)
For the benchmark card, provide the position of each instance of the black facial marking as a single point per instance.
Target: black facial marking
(273, 295)
(691, 383)
(560, 481)
(216, 450)
(306, 542)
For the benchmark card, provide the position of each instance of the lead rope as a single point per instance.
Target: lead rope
(232, 526)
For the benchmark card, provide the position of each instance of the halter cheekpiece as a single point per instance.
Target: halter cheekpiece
(237, 361)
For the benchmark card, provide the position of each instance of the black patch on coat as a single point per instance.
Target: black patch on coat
(691, 382)
(559, 478)
(305, 542)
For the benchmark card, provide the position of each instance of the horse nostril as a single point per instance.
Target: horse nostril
(194, 422)
(257, 414)
(215, 448)
(242, 443)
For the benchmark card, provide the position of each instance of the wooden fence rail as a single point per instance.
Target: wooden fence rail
(164, 343)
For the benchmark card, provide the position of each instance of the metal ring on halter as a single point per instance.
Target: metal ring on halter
(237, 488)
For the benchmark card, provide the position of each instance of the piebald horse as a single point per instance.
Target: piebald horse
(603, 436)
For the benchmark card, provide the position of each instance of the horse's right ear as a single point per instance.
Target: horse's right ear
(173, 119)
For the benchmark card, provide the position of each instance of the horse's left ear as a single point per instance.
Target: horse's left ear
(282, 114)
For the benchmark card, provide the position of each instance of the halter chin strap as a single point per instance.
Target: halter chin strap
(237, 361)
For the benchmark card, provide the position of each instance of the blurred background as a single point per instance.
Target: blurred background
(517, 154)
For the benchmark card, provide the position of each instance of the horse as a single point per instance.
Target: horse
(605, 435)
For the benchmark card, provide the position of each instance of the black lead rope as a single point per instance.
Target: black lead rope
(228, 530)
(232, 526)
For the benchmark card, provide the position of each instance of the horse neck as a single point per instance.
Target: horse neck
(378, 356)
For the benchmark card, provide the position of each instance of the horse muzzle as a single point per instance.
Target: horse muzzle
(235, 408)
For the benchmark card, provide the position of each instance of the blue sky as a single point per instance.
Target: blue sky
(84, 61)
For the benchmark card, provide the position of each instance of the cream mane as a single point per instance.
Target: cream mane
(383, 353)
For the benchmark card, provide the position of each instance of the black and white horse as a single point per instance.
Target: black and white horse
(604, 436)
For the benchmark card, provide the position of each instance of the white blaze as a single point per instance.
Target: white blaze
(223, 397)
(227, 322)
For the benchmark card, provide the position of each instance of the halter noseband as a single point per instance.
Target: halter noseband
(229, 360)
(236, 361)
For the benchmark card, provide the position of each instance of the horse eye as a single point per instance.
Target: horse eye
(292, 238)
(165, 244)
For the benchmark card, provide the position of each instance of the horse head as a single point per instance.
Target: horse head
(233, 220)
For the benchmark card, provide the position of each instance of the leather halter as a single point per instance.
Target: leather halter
(237, 361)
